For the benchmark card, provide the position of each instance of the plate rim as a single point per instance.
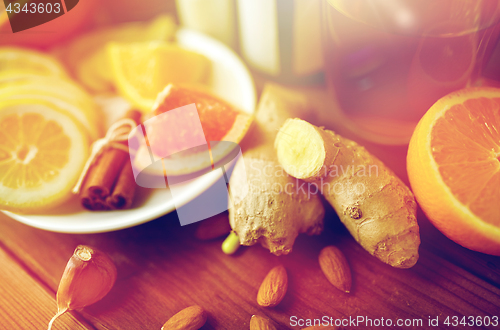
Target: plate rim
(205, 181)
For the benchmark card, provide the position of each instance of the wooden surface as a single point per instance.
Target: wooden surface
(163, 268)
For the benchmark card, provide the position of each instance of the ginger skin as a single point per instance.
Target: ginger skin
(377, 208)
(268, 213)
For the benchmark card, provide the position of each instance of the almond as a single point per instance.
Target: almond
(273, 288)
(260, 323)
(191, 318)
(335, 267)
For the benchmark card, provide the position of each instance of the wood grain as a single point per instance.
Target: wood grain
(25, 304)
(162, 269)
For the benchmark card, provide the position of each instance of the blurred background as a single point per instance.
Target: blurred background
(383, 63)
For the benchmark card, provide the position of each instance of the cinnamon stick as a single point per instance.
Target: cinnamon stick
(100, 205)
(124, 190)
(104, 173)
(86, 201)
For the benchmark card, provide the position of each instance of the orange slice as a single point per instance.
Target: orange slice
(86, 55)
(42, 153)
(454, 167)
(142, 70)
(219, 121)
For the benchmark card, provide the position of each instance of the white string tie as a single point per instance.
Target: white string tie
(118, 132)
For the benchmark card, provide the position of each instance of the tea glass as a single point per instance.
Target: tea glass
(388, 61)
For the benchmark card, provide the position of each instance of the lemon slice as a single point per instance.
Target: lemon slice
(6, 77)
(61, 92)
(90, 125)
(24, 61)
(142, 70)
(42, 153)
(55, 86)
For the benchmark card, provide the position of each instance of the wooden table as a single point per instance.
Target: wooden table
(163, 268)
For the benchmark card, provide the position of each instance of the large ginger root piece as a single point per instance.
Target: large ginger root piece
(274, 211)
(377, 208)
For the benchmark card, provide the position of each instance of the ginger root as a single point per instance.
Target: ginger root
(274, 211)
(377, 208)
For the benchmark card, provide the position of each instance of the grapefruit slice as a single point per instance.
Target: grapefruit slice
(219, 122)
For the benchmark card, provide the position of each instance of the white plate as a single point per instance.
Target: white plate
(231, 80)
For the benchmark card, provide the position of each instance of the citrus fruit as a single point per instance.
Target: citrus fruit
(93, 72)
(26, 61)
(91, 128)
(454, 167)
(42, 153)
(219, 120)
(62, 88)
(57, 93)
(87, 58)
(142, 70)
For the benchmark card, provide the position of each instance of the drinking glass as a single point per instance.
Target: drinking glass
(388, 61)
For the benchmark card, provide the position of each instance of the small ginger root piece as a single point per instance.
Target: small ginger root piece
(270, 206)
(377, 208)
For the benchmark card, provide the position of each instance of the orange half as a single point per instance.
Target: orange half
(454, 167)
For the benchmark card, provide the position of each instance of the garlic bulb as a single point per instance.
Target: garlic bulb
(87, 278)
